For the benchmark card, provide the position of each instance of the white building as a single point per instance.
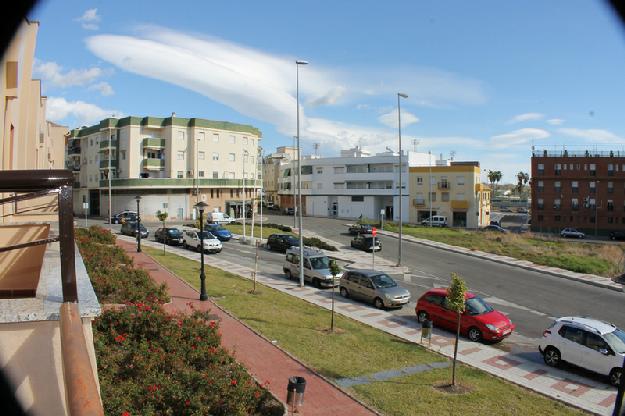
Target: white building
(351, 185)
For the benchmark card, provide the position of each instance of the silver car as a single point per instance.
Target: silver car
(373, 286)
(316, 267)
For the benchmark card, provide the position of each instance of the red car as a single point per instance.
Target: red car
(479, 321)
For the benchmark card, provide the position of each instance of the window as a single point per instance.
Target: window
(122, 153)
(595, 342)
(557, 185)
(445, 196)
(574, 203)
(593, 187)
(557, 203)
(339, 169)
(541, 168)
(215, 174)
(319, 185)
(231, 157)
(339, 185)
(244, 140)
(319, 171)
(572, 334)
(557, 168)
(358, 198)
(201, 155)
(574, 187)
(540, 186)
(215, 156)
(180, 174)
(180, 155)
(215, 138)
(200, 174)
(459, 180)
(419, 181)
(593, 169)
(460, 196)
(610, 169)
(556, 218)
(307, 170)
(181, 136)
(592, 203)
(433, 196)
(201, 137)
(232, 139)
(610, 187)
(610, 205)
(540, 203)
(212, 195)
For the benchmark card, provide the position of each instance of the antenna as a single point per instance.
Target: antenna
(415, 143)
(316, 147)
(452, 154)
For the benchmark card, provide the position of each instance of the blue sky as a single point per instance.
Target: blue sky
(484, 79)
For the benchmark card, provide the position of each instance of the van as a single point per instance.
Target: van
(435, 221)
(218, 218)
(316, 267)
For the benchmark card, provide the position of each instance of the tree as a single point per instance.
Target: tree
(162, 216)
(334, 270)
(494, 176)
(522, 179)
(456, 302)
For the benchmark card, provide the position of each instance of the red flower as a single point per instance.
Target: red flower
(233, 382)
(256, 394)
(212, 324)
(187, 402)
(125, 413)
(120, 338)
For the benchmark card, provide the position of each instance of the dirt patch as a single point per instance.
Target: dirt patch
(456, 389)
(337, 331)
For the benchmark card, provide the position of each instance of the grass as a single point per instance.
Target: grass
(600, 259)
(301, 329)
(267, 231)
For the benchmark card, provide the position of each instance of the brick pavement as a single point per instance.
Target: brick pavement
(264, 361)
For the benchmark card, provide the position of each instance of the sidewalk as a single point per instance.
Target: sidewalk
(524, 368)
(264, 361)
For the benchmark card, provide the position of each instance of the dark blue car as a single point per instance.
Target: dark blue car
(218, 231)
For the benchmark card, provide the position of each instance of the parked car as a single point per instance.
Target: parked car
(360, 229)
(316, 267)
(617, 235)
(124, 216)
(522, 210)
(479, 320)
(365, 243)
(218, 231)
(373, 286)
(192, 240)
(435, 221)
(218, 218)
(281, 242)
(289, 211)
(495, 222)
(495, 228)
(571, 233)
(594, 345)
(130, 228)
(171, 236)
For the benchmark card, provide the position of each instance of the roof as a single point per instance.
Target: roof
(589, 323)
(308, 251)
(367, 272)
(442, 291)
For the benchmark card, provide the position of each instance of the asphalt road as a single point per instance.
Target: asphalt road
(532, 300)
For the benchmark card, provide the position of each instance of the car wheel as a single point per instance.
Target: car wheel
(289, 275)
(184, 245)
(317, 283)
(377, 302)
(344, 293)
(474, 334)
(422, 316)
(615, 376)
(269, 247)
(552, 357)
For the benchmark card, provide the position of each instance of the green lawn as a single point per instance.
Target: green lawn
(301, 329)
(600, 259)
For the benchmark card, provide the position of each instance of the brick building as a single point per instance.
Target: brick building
(582, 189)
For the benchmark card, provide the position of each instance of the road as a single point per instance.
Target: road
(531, 300)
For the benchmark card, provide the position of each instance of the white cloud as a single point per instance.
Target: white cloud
(391, 119)
(89, 20)
(58, 109)
(555, 121)
(517, 137)
(103, 88)
(520, 118)
(595, 135)
(52, 73)
(262, 86)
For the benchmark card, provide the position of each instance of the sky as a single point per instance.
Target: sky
(485, 80)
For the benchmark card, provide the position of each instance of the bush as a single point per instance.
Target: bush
(96, 234)
(150, 362)
(280, 227)
(315, 242)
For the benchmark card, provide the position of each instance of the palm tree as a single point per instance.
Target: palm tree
(522, 178)
(494, 176)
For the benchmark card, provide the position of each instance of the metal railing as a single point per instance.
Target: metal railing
(82, 396)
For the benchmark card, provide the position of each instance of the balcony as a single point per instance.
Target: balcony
(179, 183)
(73, 151)
(153, 143)
(104, 164)
(108, 144)
(459, 204)
(444, 185)
(418, 202)
(153, 164)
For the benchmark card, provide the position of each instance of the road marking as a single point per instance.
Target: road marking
(502, 302)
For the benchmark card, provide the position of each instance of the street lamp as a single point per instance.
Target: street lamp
(138, 199)
(400, 95)
(245, 154)
(200, 206)
(293, 188)
(299, 182)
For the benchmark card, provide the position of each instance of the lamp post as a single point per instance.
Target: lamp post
(138, 199)
(400, 95)
(293, 185)
(200, 206)
(299, 182)
(109, 174)
(430, 180)
(243, 207)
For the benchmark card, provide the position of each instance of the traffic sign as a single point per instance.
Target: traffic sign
(374, 231)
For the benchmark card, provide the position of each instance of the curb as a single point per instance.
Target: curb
(534, 268)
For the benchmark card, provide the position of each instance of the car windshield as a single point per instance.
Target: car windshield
(217, 228)
(477, 306)
(206, 235)
(319, 263)
(616, 339)
(292, 240)
(174, 232)
(383, 280)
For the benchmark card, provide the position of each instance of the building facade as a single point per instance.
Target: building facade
(271, 171)
(581, 189)
(172, 163)
(350, 186)
(450, 189)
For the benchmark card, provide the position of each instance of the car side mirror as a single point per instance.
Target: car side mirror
(604, 351)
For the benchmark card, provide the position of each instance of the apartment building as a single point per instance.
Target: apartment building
(271, 171)
(451, 189)
(172, 163)
(352, 185)
(584, 189)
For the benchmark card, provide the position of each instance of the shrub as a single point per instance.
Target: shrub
(150, 362)
(280, 227)
(96, 234)
(315, 242)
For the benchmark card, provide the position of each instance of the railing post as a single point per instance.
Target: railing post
(66, 243)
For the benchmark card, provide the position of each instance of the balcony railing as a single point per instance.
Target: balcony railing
(73, 151)
(104, 164)
(108, 144)
(81, 388)
(153, 143)
(444, 185)
(153, 164)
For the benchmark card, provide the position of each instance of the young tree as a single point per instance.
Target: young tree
(456, 302)
(162, 216)
(334, 270)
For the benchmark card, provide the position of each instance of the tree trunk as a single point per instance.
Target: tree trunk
(453, 367)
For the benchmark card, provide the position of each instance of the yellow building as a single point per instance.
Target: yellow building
(452, 190)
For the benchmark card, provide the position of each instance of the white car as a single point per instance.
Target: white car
(435, 221)
(191, 239)
(594, 345)
(571, 233)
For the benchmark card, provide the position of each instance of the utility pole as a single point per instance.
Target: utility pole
(243, 206)
(401, 220)
(430, 180)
